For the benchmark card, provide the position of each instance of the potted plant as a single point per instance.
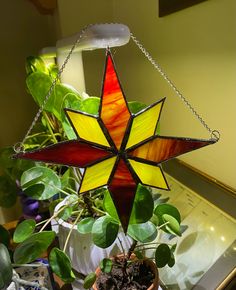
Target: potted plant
(134, 267)
(40, 185)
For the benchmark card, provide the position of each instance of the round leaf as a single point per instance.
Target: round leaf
(85, 225)
(4, 236)
(89, 280)
(135, 107)
(173, 226)
(35, 63)
(38, 84)
(24, 230)
(142, 207)
(171, 261)
(90, 105)
(104, 231)
(8, 191)
(61, 92)
(169, 209)
(40, 182)
(61, 265)
(33, 247)
(145, 232)
(109, 207)
(162, 255)
(6, 270)
(66, 213)
(106, 265)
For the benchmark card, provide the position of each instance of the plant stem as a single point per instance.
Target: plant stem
(98, 210)
(54, 216)
(161, 226)
(131, 249)
(72, 227)
(154, 243)
(123, 250)
(49, 125)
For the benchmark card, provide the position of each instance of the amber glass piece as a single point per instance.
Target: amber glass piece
(87, 127)
(71, 153)
(160, 148)
(149, 174)
(123, 188)
(144, 124)
(97, 175)
(114, 111)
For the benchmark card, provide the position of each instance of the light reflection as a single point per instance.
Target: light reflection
(222, 238)
(212, 229)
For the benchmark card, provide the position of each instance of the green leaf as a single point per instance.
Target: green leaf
(66, 213)
(40, 182)
(104, 231)
(89, 280)
(173, 225)
(38, 84)
(171, 262)
(135, 107)
(61, 265)
(34, 64)
(90, 105)
(8, 191)
(139, 255)
(142, 207)
(145, 232)
(4, 236)
(6, 270)
(24, 230)
(169, 209)
(53, 204)
(33, 247)
(109, 206)
(162, 255)
(106, 265)
(85, 225)
(61, 93)
(71, 101)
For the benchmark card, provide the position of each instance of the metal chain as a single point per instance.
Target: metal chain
(20, 145)
(214, 133)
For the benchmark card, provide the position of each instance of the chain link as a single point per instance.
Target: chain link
(20, 145)
(214, 133)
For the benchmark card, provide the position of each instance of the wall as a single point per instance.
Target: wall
(23, 32)
(195, 46)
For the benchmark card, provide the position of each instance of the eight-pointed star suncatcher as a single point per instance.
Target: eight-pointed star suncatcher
(117, 148)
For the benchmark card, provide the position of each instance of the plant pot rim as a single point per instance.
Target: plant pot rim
(153, 286)
(60, 221)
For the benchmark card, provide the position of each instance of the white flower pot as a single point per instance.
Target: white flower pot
(85, 256)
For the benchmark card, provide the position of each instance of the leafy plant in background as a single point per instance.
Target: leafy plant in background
(93, 212)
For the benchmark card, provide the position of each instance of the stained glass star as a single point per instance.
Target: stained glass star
(117, 148)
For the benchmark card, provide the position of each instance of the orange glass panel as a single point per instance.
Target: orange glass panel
(87, 127)
(123, 188)
(149, 174)
(144, 124)
(97, 175)
(114, 110)
(163, 148)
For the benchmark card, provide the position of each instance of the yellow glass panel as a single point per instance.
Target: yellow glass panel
(97, 175)
(87, 128)
(144, 125)
(149, 174)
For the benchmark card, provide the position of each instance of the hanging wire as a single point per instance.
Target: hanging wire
(215, 135)
(19, 147)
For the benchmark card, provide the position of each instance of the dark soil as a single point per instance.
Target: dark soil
(138, 276)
